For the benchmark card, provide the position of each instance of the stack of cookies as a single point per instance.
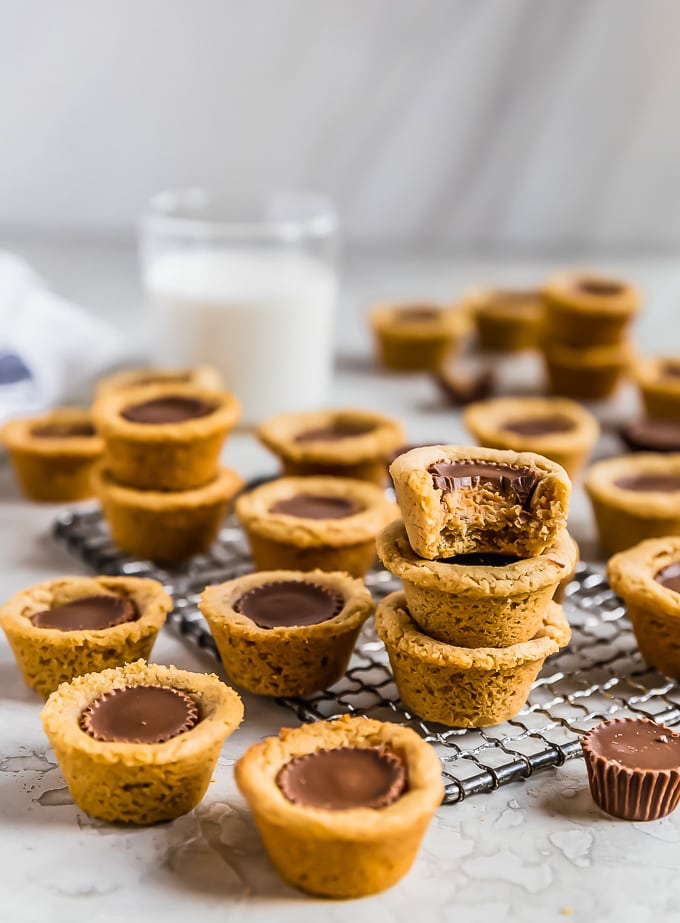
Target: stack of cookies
(162, 490)
(481, 552)
(585, 341)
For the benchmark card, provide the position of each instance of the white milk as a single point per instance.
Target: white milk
(264, 319)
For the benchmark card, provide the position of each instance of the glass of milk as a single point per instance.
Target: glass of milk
(248, 287)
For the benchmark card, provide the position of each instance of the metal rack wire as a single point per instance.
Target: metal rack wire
(600, 675)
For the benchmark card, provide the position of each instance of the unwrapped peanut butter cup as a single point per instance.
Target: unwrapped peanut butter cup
(140, 714)
(289, 603)
(633, 768)
(90, 613)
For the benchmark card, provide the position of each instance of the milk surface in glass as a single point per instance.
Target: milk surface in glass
(264, 318)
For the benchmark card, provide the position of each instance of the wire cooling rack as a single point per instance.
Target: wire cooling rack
(600, 675)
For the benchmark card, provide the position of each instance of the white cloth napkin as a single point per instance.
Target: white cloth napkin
(48, 346)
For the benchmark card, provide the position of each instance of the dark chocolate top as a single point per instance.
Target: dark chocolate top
(481, 559)
(140, 714)
(649, 483)
(636, 744)
(63, 430)
(335, 431)
(604, 288)
(90, 613)
(344, 778)
(315, 506)
(416, 314)
(652, 436)
(669, 577)
(546, 425)
(519, 483)
(171, 409)
(289, 603)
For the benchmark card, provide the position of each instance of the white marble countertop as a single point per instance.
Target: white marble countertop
(532, 851)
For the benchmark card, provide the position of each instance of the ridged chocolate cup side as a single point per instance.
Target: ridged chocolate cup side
(631, 794)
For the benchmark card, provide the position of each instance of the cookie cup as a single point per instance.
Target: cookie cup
(47, 657)
(626, 517)
(485, 420)
(136, 783)
(164, 456)
(360, 456)
(461, 686)
(583, 309)
(285, 661)
(660, 392)
(279, 541)
(349, 853)
(653, 609)
(478, 518)
(586, 373)
(477, 606)
(419, 345)
(202, 376)
(506, 320)
(166, 526)
(57, 469)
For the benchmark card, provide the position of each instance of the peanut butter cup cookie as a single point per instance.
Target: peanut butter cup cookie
(164, 436)
(314, 522)
(463, 686)
(417, 336)
(286, 632)
(585, 309)
(507, 319)
(343, 443)
(463, 500)
(342, 806)
(73, 625)
(202, 376)
(586, 373)
(480, 599)
(139, 744)
(635, 497)
(647, 578)
(659, 383)
(166, 525)
(558, 428)
(54, 455)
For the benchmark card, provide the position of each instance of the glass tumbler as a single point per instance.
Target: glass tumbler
(247, 287)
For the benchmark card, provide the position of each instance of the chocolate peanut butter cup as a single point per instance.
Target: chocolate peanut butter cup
(417, 336)
(635, 497)
(289, 603)
(647, 578)
(285, 633)
(458, 500)
(344, 778)
(652, 435)
(343, 443)
(88, 613)
(168, 409)
(202, 376)
(54, 456)
(633, 768)
(307, 523)
(557, 428)
(164, 437)
(342, 805)
(140, 715)
(139, 744)
(74, 625)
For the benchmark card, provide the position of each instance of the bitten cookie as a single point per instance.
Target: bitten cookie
(462, 500)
